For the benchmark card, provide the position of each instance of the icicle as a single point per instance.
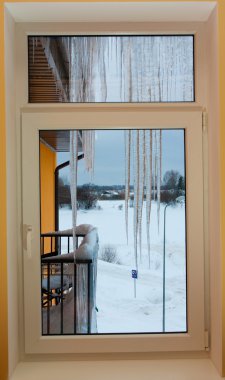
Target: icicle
(103, 70)
(127, 175)
(148, 175)
(73, 181)
(121, 68)
(93, 153)
(88, 143)
(157, 169)
(130, 86)
(135, 144)
(159, 175)
(154, 163)
(141, 152)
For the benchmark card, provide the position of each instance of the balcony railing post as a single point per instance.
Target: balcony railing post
(61, 294)
(48, 298)
(89, 298)
(75, 297)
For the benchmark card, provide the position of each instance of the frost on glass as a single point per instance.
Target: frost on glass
(121, 68)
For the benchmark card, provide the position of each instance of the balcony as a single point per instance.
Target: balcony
(69, 281)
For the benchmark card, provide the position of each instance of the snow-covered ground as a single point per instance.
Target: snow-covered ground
(118, 310)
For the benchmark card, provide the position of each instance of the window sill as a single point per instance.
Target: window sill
(175, 369)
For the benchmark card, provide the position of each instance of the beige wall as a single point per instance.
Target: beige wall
(3, 217)
(214, 189)
(215, 261)
(12, 226)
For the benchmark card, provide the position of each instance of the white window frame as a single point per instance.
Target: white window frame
(144, 28)
(120, 118)
(34, 343)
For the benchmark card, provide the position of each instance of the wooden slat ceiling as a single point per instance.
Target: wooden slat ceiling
(58, 140)
(43, 87)
(42, 82)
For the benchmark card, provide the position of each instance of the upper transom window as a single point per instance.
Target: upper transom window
(85, 69)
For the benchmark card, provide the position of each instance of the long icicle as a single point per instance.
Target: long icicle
(93, 153)
(141, 152)
(88, 142)
(73, 182)
(136, 180)
(155, 166)
(127, 175)
(148, 166)
(156, 170)
(159, 173)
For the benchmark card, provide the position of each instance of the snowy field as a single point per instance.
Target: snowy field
(118, 310)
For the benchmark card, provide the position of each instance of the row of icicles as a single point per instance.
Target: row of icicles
(121, 68)
(143, 170)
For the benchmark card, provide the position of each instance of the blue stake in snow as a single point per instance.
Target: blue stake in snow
(134, 274)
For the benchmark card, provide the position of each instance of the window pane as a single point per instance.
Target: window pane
(111, 69)
(125, 289)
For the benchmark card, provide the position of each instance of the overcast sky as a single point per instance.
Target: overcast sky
(109, 157)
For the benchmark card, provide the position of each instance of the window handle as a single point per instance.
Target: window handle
(27, 240)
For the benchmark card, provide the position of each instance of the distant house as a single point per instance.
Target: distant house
(109, 193)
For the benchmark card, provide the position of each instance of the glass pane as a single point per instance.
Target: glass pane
(124, 288)
(111, 69)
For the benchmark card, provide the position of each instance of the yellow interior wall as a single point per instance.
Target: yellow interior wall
(3, 247)
(47, 168)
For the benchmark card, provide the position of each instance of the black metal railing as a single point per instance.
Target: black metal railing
(58, 242)
(67, 287)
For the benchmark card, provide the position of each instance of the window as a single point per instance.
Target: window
(33, 125)
(135, 116)
(86, 69)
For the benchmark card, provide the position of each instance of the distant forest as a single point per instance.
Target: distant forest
(173, 185)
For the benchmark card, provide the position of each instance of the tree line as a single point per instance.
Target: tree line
(173, 185)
